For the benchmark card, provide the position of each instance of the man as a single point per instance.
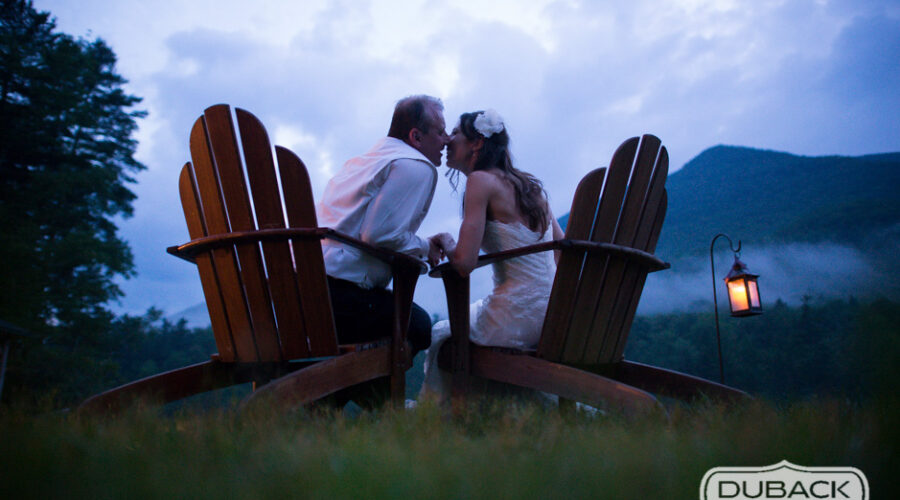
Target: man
(381, 198)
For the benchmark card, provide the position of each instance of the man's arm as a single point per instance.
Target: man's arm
(395, 212)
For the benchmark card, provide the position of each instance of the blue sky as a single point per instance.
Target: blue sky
(571, 78)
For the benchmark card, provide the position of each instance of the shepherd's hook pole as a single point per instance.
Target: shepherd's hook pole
(715, 300)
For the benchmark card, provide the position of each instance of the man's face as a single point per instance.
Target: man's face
(432, 143)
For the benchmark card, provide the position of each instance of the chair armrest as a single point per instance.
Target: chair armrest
(391, 257)
(640, 256)
(191, 249)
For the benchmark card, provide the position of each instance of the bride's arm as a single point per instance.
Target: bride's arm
(464, 257)
(557, 233)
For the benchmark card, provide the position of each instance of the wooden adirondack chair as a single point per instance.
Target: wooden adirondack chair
(264, 280)
(607, 252)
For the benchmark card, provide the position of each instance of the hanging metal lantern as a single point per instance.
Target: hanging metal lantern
(743, 291)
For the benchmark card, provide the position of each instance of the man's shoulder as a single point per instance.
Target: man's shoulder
(411, 171)
(384, 153)
(413, 164)
(395, 149)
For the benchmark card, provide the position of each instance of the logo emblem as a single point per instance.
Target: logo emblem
(784, 480)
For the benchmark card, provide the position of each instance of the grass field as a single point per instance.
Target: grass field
(497, 450)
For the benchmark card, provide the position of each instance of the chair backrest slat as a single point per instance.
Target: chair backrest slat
(609, 320)
(614, 284)
(268, 301)
(621, 330)
(193, 214)
(600, 293)
(315, 301)
(225, 258)
(568, 269)
(240, 217)
(594, 274)
(261, 177)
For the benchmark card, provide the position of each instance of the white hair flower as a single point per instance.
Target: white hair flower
(488, 123)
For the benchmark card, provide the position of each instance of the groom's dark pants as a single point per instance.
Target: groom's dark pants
(362, 315)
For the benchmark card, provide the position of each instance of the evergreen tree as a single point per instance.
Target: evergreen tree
(66, 159)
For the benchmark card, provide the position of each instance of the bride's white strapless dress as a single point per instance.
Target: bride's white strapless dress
(513, 314)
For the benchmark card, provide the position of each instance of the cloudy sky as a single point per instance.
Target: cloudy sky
(571, 78)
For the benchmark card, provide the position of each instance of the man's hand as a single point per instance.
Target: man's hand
(435, 253)
(439, 246)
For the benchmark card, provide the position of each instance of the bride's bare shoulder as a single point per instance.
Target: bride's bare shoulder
(481, 182)
(486, 179)
(483, 176)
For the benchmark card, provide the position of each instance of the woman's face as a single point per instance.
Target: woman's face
(460, 151)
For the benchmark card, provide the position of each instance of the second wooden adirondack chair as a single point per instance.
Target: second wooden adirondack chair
(263, 277)
(610, 237)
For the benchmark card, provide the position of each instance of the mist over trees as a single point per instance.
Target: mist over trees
(66, 160)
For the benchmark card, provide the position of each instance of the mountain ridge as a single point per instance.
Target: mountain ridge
(777, 197)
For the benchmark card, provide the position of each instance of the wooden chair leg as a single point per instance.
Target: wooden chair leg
(457, 290)
(404, 289)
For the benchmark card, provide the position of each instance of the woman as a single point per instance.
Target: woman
(503, 208)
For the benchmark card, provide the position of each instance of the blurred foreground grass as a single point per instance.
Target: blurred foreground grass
(501, 450)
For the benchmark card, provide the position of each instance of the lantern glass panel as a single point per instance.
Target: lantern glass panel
(737, 295)
(754, 293)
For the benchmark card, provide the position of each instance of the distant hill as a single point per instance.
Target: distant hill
(763, 196)
(766, 196)
(196, 316)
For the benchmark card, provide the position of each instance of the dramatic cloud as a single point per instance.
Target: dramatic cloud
(572, 78)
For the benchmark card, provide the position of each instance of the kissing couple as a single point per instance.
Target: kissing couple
(381, 198)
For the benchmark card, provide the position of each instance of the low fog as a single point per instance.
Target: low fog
(786, 272)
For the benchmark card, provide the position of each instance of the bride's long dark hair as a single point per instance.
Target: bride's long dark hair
(530, 194)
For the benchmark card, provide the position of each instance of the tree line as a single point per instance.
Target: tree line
(66, 163)
(839, 347)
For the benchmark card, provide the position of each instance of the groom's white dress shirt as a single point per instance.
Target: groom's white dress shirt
(380, 198)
